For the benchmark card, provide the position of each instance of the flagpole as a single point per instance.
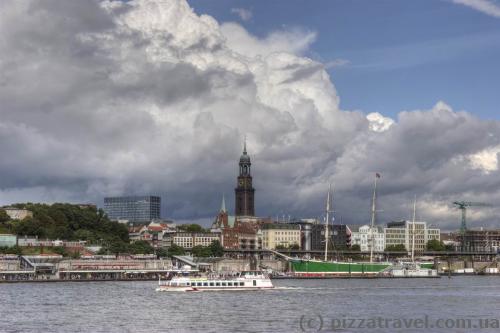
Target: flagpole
(327, 221)
(413, 230)
(377, 176)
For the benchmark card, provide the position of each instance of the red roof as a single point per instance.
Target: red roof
(156, 228)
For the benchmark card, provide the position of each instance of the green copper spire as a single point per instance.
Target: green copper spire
(223, 205)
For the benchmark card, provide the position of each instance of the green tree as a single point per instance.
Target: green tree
(294, 246)
(201, 251)
(29, 226)
(435, 245)
(141, 247)
(11, 250)
(176, 250)
(216, 249)
(3, 216)
(85, 235)
(162, 252)
(395, 248)
(191, 228)
(68, 222)
(114, 246)
(355, 247)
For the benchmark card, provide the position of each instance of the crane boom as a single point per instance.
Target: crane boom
(463, 205)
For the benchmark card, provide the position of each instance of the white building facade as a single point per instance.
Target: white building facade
(361, 236)
(404, 232)
(189, 240)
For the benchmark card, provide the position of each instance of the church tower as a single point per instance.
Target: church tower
(244, 192)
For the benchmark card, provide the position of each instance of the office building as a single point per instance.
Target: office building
(401, 232)
(137, 209)
(280, 235)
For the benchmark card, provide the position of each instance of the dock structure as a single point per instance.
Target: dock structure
(25, 268)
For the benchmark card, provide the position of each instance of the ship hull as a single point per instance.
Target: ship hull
(321, 269)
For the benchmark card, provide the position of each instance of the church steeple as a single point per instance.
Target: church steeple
(223, 205)
(244, 192)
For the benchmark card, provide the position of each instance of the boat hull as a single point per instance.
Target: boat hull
(321, 269)
(176, 289)
(187, 289)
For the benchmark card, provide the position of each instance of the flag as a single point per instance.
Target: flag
(377, 175)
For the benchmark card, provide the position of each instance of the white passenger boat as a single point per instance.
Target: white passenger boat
(246, 280)
(409, 270)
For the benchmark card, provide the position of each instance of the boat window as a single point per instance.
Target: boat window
(205, 284)
(188, 283)
(242, 284)
(229, 284)
(254, 282)
(223, 284)
(211, 284)
(217, 284)
(174, 284)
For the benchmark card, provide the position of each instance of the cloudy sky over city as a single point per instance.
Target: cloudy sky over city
(101, 98)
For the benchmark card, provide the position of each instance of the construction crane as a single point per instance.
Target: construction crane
(462, 205)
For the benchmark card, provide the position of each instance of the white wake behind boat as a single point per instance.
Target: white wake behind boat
(246, 280)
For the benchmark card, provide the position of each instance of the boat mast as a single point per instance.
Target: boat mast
(327, 220)
(372, 224)
(413, 230)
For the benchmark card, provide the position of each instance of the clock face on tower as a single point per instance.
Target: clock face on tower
(241, 182)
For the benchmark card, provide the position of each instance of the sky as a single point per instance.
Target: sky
(389, 55)
(104, 98)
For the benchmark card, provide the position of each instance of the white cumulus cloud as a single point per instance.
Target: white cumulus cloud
(378, 122)
(244, 14)
(489, 7)
(105, 98)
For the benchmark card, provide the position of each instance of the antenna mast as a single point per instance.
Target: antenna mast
(413, 230)
(372, 224)
(327, 220)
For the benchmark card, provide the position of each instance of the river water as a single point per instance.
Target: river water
(375, 305)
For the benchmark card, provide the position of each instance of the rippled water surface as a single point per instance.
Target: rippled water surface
(294, 306)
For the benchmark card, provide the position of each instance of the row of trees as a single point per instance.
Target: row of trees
(432, 245)
(65, 221)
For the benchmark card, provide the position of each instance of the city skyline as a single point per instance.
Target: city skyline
(156, 97)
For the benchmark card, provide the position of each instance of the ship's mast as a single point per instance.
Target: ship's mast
(327, 221)
(413, 230)
(372, 224)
